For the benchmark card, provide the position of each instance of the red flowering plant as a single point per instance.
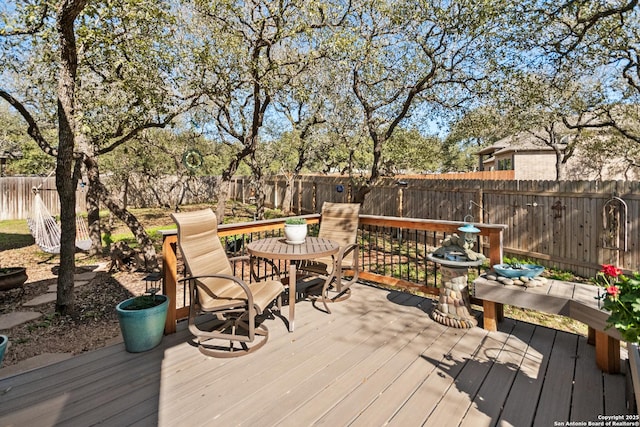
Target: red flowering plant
(622, 299)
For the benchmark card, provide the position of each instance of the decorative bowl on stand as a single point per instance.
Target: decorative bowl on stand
(518, 270)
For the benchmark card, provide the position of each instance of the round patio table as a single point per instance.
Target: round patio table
(277, 248)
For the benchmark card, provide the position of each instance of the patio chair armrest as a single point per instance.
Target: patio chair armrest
(348, 248)
(345, 250)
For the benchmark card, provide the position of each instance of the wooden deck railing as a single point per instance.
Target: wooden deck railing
(392, 251)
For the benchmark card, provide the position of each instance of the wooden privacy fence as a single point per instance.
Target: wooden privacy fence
(569, 225)
(16, 197)
(493, 174)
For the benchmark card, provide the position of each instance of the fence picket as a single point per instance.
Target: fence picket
(16, 196)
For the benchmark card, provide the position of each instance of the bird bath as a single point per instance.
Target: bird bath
(454, 308)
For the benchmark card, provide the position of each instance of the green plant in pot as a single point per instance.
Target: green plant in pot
(142, 321)
(295, 230)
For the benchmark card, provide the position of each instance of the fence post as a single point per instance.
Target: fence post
(314, 193)
(275, 193)
(299, 196)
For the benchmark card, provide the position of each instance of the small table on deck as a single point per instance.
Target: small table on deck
(277, 248)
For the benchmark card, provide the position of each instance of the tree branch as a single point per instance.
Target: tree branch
(33, 130)
(33, 28)
(149, 125)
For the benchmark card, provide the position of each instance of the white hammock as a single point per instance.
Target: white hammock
(46, 231)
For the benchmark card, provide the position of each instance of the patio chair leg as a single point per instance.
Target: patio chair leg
(231, 351)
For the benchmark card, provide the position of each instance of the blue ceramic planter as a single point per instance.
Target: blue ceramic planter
(142, 330)
(4, 340)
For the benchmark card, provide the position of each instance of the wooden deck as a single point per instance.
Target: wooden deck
(377, 359)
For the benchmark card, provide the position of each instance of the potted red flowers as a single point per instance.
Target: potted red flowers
(622, 299)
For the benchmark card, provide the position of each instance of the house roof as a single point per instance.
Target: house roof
(522, 141)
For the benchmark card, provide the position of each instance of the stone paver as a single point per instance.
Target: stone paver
(102, 266)
(41, 299)
(76, 284)
(9, 320)
(84, 276)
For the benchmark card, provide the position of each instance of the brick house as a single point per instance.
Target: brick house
(531, 159)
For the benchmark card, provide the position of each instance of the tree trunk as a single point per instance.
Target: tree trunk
(559, 164)
(114, 206)
(93, 217)
(223, 187)
(287, 201)
(361, 193)
(143, 239)
(183, 192)
(65, 179)
(67, 194)
(93, 204)
(222, 194)
(260, 198)
(125, 193)
(259, 184)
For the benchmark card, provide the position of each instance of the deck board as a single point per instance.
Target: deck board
(363, 382)
(456, 401)
(587, 406)
(520, 408)
(377, 359)
(448, 366)
(614, 394)
(555, 396)
(297, 383)
(331, 380)
(265, 373)
(412, 369)
(492, 395)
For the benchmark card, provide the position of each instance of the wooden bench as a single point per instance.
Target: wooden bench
(574, 300)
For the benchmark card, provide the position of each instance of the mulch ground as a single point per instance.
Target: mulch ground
(91, 325)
